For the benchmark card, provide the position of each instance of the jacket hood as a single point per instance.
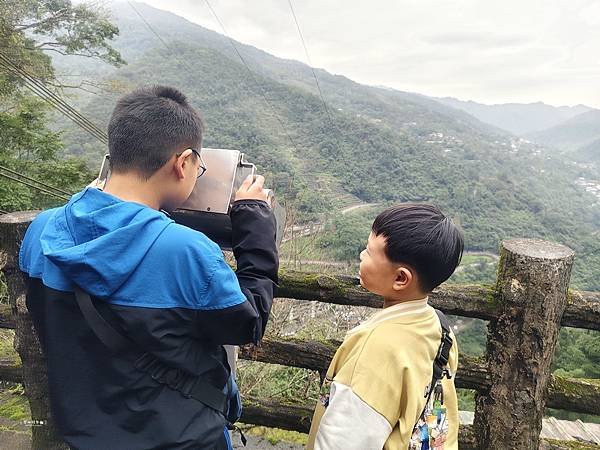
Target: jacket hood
(98, 240)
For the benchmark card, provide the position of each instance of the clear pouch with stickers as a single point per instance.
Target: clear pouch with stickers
(431, 430)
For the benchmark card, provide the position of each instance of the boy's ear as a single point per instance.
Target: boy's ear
(404, 278)
(180, 163)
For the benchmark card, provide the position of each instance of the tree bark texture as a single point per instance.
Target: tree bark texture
(34, 373)
(533, 280)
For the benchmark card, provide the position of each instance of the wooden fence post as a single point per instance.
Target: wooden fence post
(35, 380)
(533, 280)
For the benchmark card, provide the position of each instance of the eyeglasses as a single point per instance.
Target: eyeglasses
(202, 165)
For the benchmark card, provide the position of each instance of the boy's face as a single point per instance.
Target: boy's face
(380, 275)
(186, 166)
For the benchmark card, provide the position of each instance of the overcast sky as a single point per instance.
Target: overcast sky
(489, 51)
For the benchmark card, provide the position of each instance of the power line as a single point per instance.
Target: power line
(310, 63)
(40, 89)
(261, 91)
(57, 103)
(59, 106)
(35, 181)
(183, 62)
(34, 186)
(155, 33)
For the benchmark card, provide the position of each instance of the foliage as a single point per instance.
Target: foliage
(471, 335)
(14, 404)
(28, 31)
(381, 145)
(475, 269)
(578, 354)
(28, 147)
(276, 435)
(346, 236)
(28, 28)
(466, 399)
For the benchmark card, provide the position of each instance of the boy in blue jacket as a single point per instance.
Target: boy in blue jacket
(166, 288)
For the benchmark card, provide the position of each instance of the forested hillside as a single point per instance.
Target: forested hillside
(375, 145)
(574, 133)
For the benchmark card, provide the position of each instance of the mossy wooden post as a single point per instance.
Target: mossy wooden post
(533, 279)
(12, 230)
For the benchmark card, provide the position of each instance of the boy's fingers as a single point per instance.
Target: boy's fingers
(259, 181)
(246, 183)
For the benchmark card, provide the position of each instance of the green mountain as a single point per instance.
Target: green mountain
(517, 118)
(574, 133)
(589, 153)
(375, 144)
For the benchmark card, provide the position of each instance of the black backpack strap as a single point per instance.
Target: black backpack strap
(191, 386)
(110, 337)
(440, 362)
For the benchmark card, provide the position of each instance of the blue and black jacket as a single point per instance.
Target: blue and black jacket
(164, 286)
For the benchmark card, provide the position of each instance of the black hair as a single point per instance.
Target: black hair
(147, 126)
(422, 237)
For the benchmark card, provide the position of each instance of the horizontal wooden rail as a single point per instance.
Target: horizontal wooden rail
(317, 355)
(10, 372)
(572, 394)
(477, 301)
(582, 311)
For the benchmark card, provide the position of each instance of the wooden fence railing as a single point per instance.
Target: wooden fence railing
(525, 309)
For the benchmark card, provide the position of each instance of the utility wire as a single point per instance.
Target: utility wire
(310, 63)
(261, 91)
(47, 186)
(40, 89)
(45, 94)
(33, 186)
(59, 106)
(155, 33)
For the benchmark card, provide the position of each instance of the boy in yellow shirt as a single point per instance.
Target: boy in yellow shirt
(380, 391)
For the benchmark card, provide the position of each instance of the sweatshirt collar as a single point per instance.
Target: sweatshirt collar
(393, 312)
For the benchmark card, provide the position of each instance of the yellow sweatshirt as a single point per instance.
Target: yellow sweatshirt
(374, 389)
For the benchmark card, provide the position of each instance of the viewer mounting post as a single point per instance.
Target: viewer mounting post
(532, 288)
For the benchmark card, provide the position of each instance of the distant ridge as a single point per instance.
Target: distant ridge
(517, 118)
(572, 134)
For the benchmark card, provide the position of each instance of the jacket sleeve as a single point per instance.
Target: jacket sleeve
(350, 423)
(255, 250)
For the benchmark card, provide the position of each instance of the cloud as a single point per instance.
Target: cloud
(509, 51)
(477, 39)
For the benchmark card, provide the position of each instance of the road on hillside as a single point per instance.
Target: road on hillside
(297, 231)
(350, 208)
